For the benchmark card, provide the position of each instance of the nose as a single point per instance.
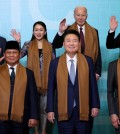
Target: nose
(11, 54)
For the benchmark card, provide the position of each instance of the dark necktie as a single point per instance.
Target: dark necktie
(82, 41)
(12, 76)
(72, 71)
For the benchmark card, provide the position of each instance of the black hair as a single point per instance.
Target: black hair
(71, 31)
(42, 24)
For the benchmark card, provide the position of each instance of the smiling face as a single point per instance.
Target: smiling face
(12, 56)
(39, 32)
(80, 15)
(71, 44)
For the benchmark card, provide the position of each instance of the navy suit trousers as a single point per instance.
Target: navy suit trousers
(73, 125)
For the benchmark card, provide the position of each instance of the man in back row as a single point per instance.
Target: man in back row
(89, 37)
(113, 42)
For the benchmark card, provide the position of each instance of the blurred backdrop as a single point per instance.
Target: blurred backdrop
(21, 15)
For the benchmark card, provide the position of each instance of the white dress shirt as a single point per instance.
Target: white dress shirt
(10, 70)
(69, 62)
(83, 29)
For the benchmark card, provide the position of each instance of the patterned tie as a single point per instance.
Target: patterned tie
(82, 41)
(72, 71)
(12, 76)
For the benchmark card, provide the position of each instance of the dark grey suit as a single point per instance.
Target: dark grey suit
(112, 89)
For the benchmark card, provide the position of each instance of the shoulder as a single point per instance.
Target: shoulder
(27, 42)
(94, 30)
(29, 72)
(89, 59)
(2, 38)
(2, 67)
(55, 61)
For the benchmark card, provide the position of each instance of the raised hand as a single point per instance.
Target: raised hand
(16, 35)
(113, 23)
(63, 26)
(2, 58)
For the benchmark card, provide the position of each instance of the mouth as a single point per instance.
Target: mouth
(71, 47)
(38, 36)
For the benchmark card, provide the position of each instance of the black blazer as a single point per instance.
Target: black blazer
(31, 101)
(58, 43)
(112, 42)
(2, 47)
(112, 88)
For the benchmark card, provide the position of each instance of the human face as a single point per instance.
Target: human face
(71, 44)
(80, 15)
(12, 56)
(39, 32)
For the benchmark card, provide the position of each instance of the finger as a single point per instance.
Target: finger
(63, 21)
(113, 18)
(116, 125)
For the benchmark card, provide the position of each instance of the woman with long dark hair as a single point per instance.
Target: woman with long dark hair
(39, 54)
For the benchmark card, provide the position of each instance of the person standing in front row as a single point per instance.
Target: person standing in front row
(18, 94)
(89, 40)
(72, 76)
(39, 54)
(113, 94)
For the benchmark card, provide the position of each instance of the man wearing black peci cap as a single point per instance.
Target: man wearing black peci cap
(18, 94)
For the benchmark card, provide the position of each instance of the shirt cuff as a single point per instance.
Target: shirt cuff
(59, 33)
(98, 75)
(111, 31)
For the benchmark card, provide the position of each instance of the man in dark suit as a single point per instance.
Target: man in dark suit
(112, 41)
(91, 45)
(18, 94)
(113, 93)
(2, 48)
(73, 77)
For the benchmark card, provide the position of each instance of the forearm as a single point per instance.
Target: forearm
(98, 64)
(57, 41)
(112, 42)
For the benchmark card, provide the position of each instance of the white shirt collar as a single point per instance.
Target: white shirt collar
(83, 27)
(69, 58)
(13, 67)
